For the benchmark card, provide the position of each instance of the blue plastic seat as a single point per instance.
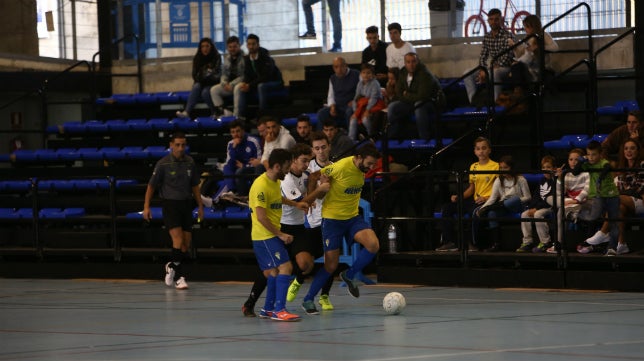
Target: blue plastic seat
(68, 154)
(51, 213)
(157, 151)
(123, 99)
(112, 153)
(155, 212)
(74, 212)
(74, 127)
(8, 213)
(167, 98)
(146, 98)
(16, 185)
(46, 155)
(208, 123)
(23, 155)
(25, 212)
(236, 212)
(117, 125)
(619, 108)
(90, 154)
(209, 213)
(134, 152)
(533, 178)
(53, 129)
(139, 124)
(289, 122)
(95, 126)
(121, 183)
(566, 142)
(599, 137)
(184, 124)
(161, 124)
(183, 96)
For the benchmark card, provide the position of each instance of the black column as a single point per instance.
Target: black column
(105, 33)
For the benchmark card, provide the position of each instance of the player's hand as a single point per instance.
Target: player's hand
(303, 206)
(147, 215)
(286, 238)
(324, 186)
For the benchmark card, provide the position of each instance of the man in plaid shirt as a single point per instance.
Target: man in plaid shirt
(495, 42)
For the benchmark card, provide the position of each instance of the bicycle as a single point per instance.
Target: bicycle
(475, 23)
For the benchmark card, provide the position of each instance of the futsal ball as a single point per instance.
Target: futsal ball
(393, 303)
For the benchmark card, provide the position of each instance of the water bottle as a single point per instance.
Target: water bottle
(393, 241)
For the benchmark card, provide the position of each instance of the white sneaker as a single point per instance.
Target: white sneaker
(169, 275)
(622, 248)
(181, 284)
(182, 114)
(598, 238)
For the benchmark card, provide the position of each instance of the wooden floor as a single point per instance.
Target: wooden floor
(82, 319)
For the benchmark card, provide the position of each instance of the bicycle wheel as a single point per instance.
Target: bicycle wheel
(475, 26)
(517, 22)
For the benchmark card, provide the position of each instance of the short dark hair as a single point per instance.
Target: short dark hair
(304, 118)
(279, 156)
(594, 145)
(367, 66)
(369, 149)
(494, 11)
(269, 118)
(301, 149)
(372, 30)
(548, 159)
(636, 114)
(232, 39)
(177, 135)
(236, 124)
(482, 139)
(393, 26)
(318, 135)
(252, 36)
(329, 122)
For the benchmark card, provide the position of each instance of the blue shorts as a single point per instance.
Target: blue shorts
(333, 231)
(270, 253)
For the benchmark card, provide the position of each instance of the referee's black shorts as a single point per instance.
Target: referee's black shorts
(178, 213)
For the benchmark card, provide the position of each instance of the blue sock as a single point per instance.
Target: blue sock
(321, 276)
(269, 304)
(281, 287)
(364, 258)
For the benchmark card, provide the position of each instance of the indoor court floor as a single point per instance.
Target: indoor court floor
(145, 320)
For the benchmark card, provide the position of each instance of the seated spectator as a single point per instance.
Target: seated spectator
(633, 129)
(539, 207)
(239, 152)
(302, 131)
(276, 137)
(390, 88)
(398, 48)
(232, 74)
(417, 92)
(341, 145)
(510, 194)
(342, 89)
(206, 70)
(261, 76)
(376, 54)
(367, 101)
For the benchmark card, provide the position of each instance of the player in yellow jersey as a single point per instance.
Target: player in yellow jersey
(340, 218)
(478, 191)
(265, 201)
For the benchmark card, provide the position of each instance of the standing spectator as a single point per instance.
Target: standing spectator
(510, 193)
(341, 144)
(494, 43)
(302, 131)
(340, 218)
(276, 137)
(206, 70)
(417, 92)
(539, 208)
(398, 48)
(603, 197)
(334, 11)
(261, 76)
(633, 129)
(265, 201)
(176, 178)
(232, 74)
(376, 54)
(477, 193)
(342, 89)
(367, 101)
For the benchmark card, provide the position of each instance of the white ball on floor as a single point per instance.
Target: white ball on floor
(393, 303)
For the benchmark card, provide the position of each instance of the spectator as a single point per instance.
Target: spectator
(276, 137)
(341, 145)
(176, 178)
(232, 74)
(539, 208)
(261, 76)
(477, 193)
(398, 48)
(390, 89)
(206, 70)
(528, 57)
(342, 89)
(376, 54)
(494, 43)
(302, 131)
(240, 151)
(417, 92)
(510, 194)
(334, 11)
(603, 197)
(367, 101)
(633, 129)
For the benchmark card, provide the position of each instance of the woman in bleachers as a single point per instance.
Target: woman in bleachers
(206, 71)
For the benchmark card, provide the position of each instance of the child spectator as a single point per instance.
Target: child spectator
(575, 191)
(390, 89)
(368, 100)
(478, 191)
(603, 197)
(510, 193)
(539, 207)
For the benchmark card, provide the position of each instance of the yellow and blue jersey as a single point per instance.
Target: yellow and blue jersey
(265, 193)
(343, 199)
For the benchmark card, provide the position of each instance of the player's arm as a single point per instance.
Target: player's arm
(262, 218)
(301, 205)
(318, 192)
(149, 192)
(196, 193)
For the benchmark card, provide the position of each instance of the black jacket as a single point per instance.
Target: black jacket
(206, 70)
(261, 70)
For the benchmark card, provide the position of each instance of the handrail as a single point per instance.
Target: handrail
(612, 42)
(139, 66)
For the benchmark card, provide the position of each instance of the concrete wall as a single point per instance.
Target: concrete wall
(18, 34)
